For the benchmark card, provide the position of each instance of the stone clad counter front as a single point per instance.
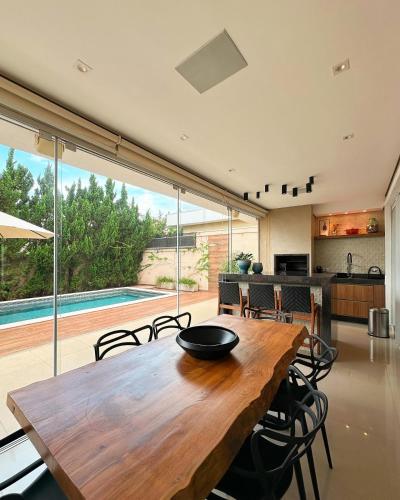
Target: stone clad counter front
(320, 285)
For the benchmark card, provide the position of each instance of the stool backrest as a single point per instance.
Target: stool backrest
(261, 295)
(229, 292)
(296, 298)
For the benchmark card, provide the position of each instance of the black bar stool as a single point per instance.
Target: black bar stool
(230, 297)
(301, 303)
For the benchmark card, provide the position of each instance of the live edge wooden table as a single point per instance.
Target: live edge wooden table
(153, 423)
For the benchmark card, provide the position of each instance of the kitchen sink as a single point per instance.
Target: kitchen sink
(360, 276)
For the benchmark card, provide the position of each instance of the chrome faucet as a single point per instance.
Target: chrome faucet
(349, 263)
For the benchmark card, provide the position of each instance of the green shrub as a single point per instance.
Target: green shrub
(161, 280)
(188, 281)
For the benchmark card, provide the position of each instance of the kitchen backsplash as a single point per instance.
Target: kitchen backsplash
(367, 252)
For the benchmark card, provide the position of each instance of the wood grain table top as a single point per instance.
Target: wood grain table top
(152, 422)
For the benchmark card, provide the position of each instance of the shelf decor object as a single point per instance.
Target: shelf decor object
(372, 226)
(324, 227)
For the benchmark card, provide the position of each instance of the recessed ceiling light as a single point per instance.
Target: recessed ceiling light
(340, 67)
(346, 213)
(82, 66)
(230, 170)
(348, 137)
(364, 210)
(330, 214)
(184, 137)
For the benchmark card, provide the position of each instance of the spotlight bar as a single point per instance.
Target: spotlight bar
(284, 188)
(266, 188)
(308, 187)
(311, 180)
(245, 196)
(258, 194)
(295, 192)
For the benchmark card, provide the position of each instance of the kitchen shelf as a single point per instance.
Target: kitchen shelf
(340, 236)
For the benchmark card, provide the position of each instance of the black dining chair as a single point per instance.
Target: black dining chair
(318, 364)
(230, 297)
(43, 487)
(280, 316)
(264, 466)
(119, 338)
(171, 323)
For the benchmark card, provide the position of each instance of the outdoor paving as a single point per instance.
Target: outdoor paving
(75, 348)
(27, 336)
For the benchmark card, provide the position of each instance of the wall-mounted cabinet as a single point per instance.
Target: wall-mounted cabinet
(335, 226)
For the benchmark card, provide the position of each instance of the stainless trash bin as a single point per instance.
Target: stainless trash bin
(378, 322)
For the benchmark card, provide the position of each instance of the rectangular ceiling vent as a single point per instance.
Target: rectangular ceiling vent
(211, 64)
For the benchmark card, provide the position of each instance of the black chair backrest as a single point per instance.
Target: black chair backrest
(281, 316)
(118, 338)
(262, 296)
(229, 292)
(296, 436)
(179, 322)
(6, 441)
(296, 298)
(319, 360)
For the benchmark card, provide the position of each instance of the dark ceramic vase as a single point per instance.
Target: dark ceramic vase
(244, 266)
(257, 267)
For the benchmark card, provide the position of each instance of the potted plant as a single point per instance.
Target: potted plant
(165, 282)
(188, 285)
(243, 261)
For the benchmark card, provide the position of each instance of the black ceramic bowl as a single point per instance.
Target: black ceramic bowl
(207, 341)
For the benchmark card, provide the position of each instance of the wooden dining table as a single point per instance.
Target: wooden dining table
(152, 422)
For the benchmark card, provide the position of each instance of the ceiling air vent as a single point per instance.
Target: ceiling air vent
(211, 64)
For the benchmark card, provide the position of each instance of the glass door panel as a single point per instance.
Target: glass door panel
(203, 254)
(26, 261)
(117, 258)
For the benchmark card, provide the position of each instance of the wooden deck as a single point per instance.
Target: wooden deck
(27, 336)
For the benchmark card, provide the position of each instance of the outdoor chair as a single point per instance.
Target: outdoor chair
(299, 301)
(164, 323)
(119, 338)
(230, 297)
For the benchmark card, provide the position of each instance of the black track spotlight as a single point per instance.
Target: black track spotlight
(284, 188)
(266, 188)
(308, 187)
(295, 192)
(245, 196)
(258, 194)
(311, 180)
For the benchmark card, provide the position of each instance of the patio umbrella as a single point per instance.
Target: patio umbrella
(12, 227)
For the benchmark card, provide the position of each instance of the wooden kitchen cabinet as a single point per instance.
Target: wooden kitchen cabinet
(355, 300)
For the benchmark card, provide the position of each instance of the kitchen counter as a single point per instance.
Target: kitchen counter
(320, 284)
(359, 279)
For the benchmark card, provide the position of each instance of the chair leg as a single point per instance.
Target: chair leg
(300, 480)
(311, 465)
(318, 322)
(326, 444)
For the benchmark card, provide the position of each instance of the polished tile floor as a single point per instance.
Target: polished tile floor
(363, 421)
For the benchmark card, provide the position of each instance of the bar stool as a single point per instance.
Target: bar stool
(230, 297)
(301, 303)
(262, 297)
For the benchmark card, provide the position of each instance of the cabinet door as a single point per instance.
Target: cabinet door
(334, 290)
(344, 292)
(379, 295)
(360, 309)
(343, 307)
(363, 293)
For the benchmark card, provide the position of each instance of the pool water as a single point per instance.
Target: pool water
(29, 310)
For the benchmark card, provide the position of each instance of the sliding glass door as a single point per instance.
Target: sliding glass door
(26, 261)
(119, 249)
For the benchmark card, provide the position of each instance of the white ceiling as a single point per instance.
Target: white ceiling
(279, 120)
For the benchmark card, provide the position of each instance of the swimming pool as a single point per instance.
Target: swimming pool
(30, 310)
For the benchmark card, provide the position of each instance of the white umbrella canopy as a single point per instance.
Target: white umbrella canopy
(12, 227)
